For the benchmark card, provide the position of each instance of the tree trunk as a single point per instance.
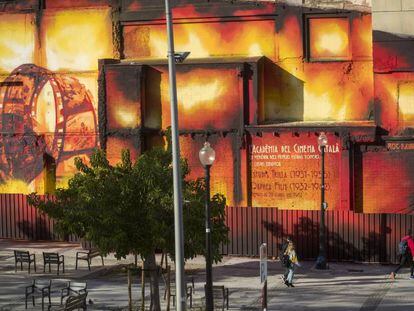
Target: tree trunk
(129, 290)
(151, 265)
(168, 287)
(143, 289)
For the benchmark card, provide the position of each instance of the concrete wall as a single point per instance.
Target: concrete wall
(396, 16)
(361, 5)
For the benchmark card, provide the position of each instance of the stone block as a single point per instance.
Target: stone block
(397, 23)
(386, 5)
(388, 22)
(407, 21)
(407, 5)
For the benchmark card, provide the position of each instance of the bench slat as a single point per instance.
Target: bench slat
(74, 302)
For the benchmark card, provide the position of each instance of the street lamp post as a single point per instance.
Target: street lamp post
(321, 260)
(207, 156)
(178, 207)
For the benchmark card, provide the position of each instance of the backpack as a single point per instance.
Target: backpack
(284, 259)
(403, 247)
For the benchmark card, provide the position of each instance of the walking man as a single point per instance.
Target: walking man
(406, 250)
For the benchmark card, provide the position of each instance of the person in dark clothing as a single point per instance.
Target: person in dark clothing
(406, 249)
(283, 249)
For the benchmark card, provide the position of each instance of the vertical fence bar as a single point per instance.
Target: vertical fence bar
(391, 225)
(2, 217)
(397, 231)
(351, 234)
(239, 231)
(338, 234)
(9, 218)
(271, 234)
(13, 217)
(23, 209)
(328, 235)
(228, 223)
(250, 243)
(16, 216)
(255, 227)
(266, 233)
(377, 235)
(263, 226)
(244, 221)
(15, 205)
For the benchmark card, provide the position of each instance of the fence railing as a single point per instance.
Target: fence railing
(350, 236)
(21, 221)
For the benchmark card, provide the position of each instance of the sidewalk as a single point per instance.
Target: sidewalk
(364, 287)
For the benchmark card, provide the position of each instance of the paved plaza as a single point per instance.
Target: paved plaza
(343, 287)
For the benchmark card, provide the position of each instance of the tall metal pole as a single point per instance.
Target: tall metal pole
(321, 261)
(209, 268)
(178, 208)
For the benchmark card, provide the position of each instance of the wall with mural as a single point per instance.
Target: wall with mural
(48, 95)
(393, 54)
(262, 81)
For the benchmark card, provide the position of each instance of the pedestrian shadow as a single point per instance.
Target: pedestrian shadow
(305, 234)
(37, 230)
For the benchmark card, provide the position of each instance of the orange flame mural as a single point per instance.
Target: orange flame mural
(254, 38)
(329, 38)
(207, 97)
(17, 40)
(76, 45)
(223, 171)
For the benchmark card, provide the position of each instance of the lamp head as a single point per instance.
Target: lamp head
(180, 56)
(322, 139)
(207, 155)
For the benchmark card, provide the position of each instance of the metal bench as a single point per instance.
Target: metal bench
(72, 303)
(39, 288)
(220, 297)
(55, 259)
(172, 293)
(73, 288)
(88, 257)
(170, 287)
(24, 256)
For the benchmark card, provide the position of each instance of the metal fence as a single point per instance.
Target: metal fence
(21, 221)
(350, 236)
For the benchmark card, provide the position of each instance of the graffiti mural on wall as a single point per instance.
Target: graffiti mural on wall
(49, 115)
(279, 36)
(43, 115)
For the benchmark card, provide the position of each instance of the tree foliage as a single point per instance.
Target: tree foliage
(128, 208)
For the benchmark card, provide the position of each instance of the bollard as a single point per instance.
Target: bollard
(264, 296)
(263, 274)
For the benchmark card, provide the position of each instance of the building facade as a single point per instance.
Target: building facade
(263, 80)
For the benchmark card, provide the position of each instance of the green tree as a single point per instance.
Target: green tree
(128, 208)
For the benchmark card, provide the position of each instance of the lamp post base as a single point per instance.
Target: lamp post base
(321, 263)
